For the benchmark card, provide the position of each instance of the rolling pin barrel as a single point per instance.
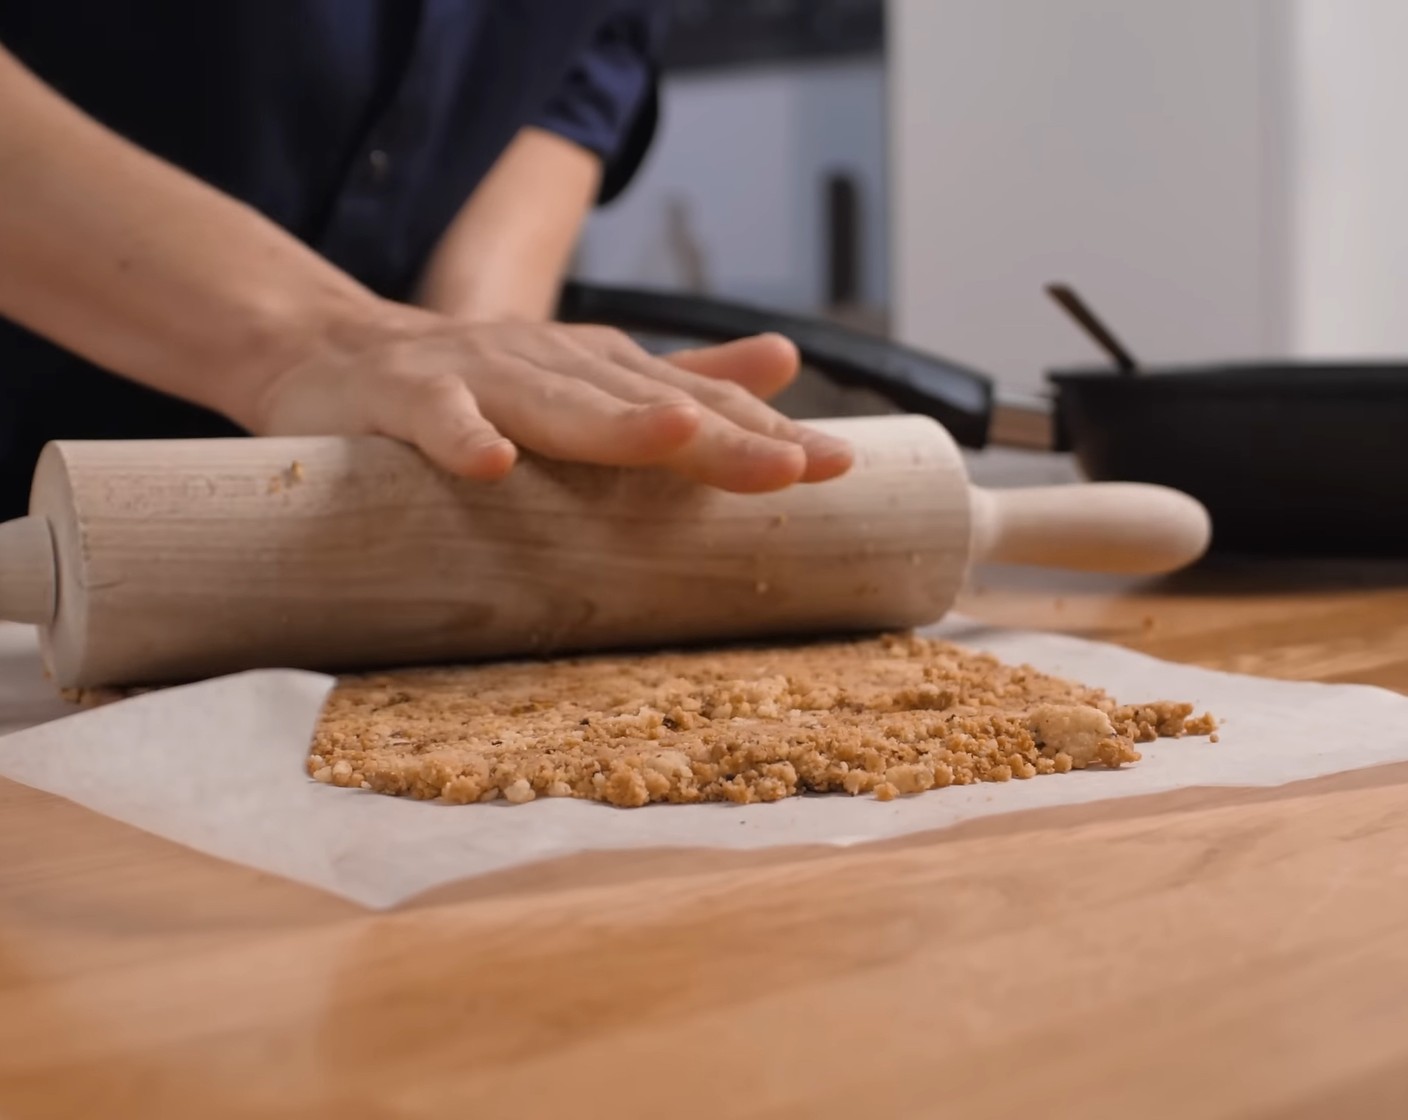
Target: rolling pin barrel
(165, 560)
(179, 559)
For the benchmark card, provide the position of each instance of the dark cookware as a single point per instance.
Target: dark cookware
(1295, 458)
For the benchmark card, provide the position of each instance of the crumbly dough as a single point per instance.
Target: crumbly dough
(888, 716)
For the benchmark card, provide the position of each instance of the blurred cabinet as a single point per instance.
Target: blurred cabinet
(714, 33)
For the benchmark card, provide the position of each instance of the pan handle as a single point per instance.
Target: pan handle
(959, 398)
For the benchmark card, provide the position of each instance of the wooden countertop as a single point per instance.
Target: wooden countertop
(1202, 954)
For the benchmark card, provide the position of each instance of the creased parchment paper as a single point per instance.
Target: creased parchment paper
(218, 766)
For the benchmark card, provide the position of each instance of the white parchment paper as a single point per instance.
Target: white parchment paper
(218, 766)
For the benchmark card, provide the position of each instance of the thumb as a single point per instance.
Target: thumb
(764, 364)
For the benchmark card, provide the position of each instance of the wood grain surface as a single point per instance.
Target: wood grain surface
(182, 559)
(1221, 953)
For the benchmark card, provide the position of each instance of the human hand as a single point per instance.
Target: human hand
(469, 395)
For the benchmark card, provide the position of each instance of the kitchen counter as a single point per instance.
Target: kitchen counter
(1209, 953)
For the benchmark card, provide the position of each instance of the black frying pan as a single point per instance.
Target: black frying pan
(1288, 457)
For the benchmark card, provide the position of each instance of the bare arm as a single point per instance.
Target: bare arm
(148, 272)
(506, 253)
(145, 270)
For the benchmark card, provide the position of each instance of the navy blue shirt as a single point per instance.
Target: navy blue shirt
(360, 126)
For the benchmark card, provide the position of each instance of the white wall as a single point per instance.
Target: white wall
(1114, 144)
(1223, 178)
(747, 149)
(1350, 168)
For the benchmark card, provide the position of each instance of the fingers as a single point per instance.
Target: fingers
(729, 457)
(730, 452)
(470, 396)
(757, 454)
(753, 440)
(824, 456)
(442, 418)
(435, 412)
(570, 417)
(764, 364)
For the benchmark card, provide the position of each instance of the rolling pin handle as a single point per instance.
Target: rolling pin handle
(1113, 527)
(29, 586)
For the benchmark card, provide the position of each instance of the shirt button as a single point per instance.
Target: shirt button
(378, 163)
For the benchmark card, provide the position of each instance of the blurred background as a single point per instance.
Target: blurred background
(1219, 178)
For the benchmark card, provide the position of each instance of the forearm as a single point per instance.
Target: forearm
(145, 270)
(507, 251)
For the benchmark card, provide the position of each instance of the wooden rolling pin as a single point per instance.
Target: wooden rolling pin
(168, 560)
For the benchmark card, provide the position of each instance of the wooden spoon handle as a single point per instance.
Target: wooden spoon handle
(28, 578)
(1122, 527)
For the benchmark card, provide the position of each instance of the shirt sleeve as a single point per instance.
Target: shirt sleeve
(608, 101)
